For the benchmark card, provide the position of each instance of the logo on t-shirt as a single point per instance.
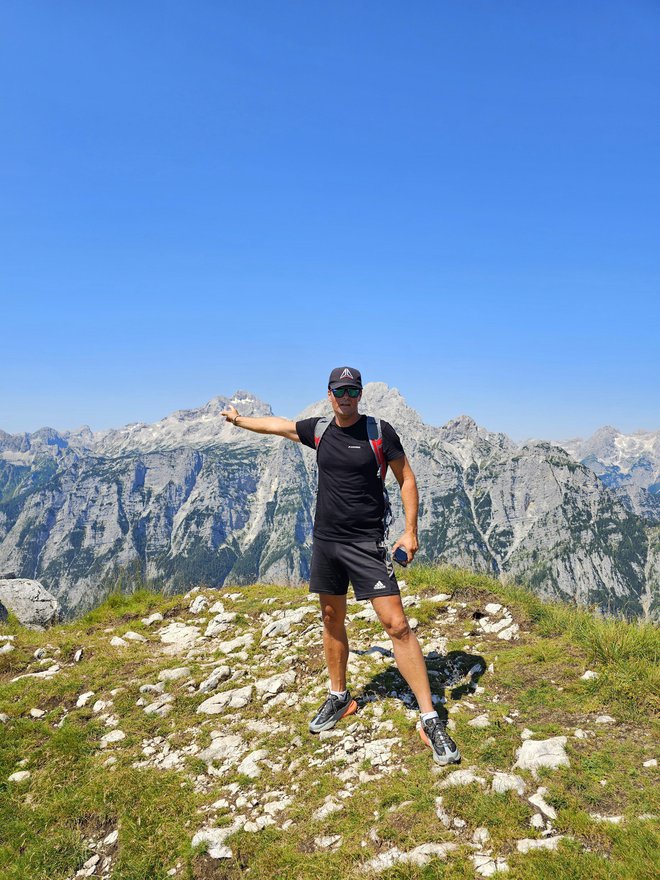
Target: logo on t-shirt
(346, 374)
(379, 585)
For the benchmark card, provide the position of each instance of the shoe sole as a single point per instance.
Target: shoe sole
(351, 709)
(452, 758)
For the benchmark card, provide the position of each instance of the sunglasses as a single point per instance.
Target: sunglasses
(352, 392)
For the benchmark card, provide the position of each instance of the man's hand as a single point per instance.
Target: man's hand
(231, 413)
(408, 541)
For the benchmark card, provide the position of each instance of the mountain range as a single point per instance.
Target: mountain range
(192, 499)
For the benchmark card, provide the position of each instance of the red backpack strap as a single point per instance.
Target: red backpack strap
(319, 430)
(375, 435)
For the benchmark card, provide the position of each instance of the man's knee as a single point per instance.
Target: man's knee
(397, 628)
(333, 613)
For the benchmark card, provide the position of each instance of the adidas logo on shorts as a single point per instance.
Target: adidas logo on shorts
(379, 585)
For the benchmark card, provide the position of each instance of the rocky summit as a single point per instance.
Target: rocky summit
(191, 499)
(162, 737)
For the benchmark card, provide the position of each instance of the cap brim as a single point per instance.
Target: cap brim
(345, 384)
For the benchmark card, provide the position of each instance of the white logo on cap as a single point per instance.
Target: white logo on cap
(346, 374)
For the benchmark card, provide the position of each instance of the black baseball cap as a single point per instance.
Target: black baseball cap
(345, 376)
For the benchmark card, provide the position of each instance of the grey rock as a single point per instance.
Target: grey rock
(220, 674)
(486, 865)
(527, 845)
(461, 777)
(534, 754)
(508, 782)
(19, 776)
(174, 674)
(223, 747)
(31, 603)
(233, 699)
(419, 856)
(249, 766)
(538, 800)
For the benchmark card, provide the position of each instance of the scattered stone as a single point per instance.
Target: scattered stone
(329, 806)
(4, 718)
(493, 608)
(220, 674)
(332, 842)
(223, 746)
(174, 674)
(198, 604)
(508, 782)
(615, 820)
(162, 706)
(461, 777)
(537, 821)
(46, 673)
(27, 600)
(480, 722)
(111, 839)
(249, 765)
(134, 637)
(526, 734)
(37, 713)
(527, 845)
(268, 687)
(7, 648)
(510, 633)
(419, 856)
(486, 866)
(481, 836)
(77, 657)
(652, 762)
(537, 800)
(118, 642)
(39, 654)
(589, 675)
(605, 719)
(239, 642)
(234, 699)
(215, 839)
(19, 776)
(153, 618)
(534, 754)
(440, 597)
(178, 637)
(114, 736)
(582, 734)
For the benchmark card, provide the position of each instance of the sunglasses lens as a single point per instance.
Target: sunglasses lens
(339, 392)
(353, 392)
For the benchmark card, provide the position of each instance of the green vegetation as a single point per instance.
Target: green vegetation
(78, 792)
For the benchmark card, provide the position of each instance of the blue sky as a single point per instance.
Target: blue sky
(461, 199)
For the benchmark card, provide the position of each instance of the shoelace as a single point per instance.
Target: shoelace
(330, 705)
(439, 736)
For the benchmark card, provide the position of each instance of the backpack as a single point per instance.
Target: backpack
(375, 435)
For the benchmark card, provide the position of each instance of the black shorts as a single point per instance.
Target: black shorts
(364, 563)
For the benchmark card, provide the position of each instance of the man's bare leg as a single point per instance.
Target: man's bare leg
(335, 640)
(407, 652)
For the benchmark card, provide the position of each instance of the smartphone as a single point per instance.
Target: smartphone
(400, 556)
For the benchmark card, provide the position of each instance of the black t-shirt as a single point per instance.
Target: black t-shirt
(349, 505)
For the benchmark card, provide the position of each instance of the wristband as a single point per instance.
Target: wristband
(237, 416)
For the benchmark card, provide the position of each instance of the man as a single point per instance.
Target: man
(349, 545)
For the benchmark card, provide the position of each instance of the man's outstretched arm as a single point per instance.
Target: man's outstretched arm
(262, 425)
(410, 499)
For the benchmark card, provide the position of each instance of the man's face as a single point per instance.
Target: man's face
(344, 406)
